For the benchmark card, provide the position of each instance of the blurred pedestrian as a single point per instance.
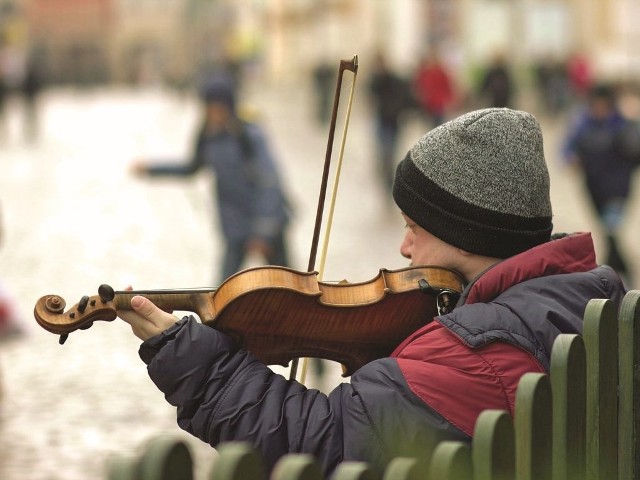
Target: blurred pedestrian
(390, 95)
(253, 208)
(11, 327)
(593, 143)
(496, 86)
(323, 80)
(433, 89)
(553, 84)
(580, 75)
(31, 86)
(4, 95)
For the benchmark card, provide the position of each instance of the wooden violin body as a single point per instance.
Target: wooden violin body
(280, 314)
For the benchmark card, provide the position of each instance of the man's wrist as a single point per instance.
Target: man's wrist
(152, 346)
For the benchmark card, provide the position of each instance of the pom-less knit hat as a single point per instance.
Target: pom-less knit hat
(480, 183)
(219, 89)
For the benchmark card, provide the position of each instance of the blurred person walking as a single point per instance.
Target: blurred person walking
(433, 89)
(30, 88)
(594, 143)
(4, 94)
(11, 327)
(496, 86)
(552, 82)
(390, 96)
(323, 76)
(580, 75)
(253, 209)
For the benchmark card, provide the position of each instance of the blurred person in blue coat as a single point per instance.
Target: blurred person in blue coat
(253, 209)
(595, 144)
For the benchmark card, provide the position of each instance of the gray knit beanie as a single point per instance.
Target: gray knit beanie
(479, 182)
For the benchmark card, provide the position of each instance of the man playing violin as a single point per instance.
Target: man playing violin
(475, 196)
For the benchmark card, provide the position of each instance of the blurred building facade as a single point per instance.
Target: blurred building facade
(96, 41)
(72, 38)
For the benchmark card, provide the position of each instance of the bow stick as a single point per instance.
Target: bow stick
(352, 66)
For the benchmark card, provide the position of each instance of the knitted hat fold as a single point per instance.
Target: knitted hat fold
(480, 183)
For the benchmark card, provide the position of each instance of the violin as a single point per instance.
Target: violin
(280, 314)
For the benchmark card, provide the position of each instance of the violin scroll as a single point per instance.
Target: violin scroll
(50, 312)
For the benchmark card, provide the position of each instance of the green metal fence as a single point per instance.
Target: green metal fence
(579, 422)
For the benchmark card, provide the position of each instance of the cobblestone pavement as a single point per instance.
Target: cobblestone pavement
(75, 218)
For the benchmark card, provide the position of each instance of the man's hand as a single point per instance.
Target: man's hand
(146, 319)
(138, 168)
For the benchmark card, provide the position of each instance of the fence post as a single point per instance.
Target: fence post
(629, 387)
(296, 467)
(568, 386)
(533, 427)
(601, 343)
(493, 447)
(122, 468)
(238, 461)
(451, 461)
(166, 458)
(404, 468)
(353, 471)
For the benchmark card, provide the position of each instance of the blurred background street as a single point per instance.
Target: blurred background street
(73, 216)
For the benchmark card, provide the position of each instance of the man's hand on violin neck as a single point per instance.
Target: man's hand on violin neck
(146, 319)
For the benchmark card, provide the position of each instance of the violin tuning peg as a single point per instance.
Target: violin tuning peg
(106, 293)
(63, 338)
(82, 304)
(425, 287)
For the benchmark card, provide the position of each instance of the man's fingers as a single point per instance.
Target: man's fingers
(144, 307)
(148, 310)
(146, 319)
(156, 318)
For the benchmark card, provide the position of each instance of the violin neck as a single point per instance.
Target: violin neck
(197, 301)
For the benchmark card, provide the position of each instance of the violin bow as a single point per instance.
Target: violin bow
(352, 66)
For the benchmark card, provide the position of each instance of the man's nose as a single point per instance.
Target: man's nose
(405, 248)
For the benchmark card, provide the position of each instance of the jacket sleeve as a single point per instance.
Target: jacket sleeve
(226, 394)
(180, 169)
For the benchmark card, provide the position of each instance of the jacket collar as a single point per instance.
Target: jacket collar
(572, 253)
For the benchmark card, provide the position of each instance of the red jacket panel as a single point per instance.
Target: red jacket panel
(459, 382)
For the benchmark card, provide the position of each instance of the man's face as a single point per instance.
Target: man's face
(422, 248)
